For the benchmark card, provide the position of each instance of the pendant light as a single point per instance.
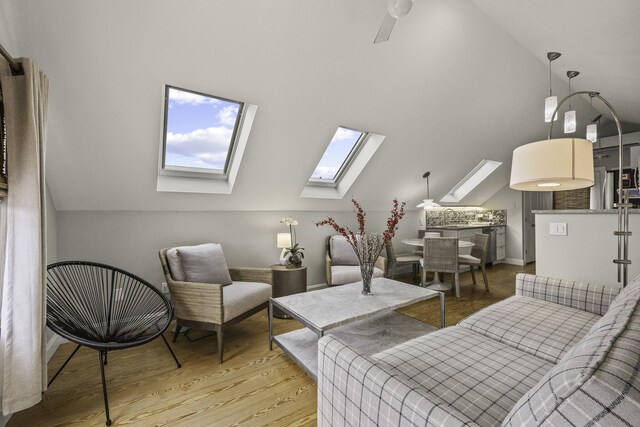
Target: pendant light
(592, 129)
(551, 102)
(428, 203)
(570, 116)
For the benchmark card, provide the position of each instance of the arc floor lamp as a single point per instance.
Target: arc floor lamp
(567, 164)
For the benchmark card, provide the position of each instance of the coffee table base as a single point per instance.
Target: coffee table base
(368, 337)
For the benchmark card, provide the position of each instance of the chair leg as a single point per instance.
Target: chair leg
(220, 341)
(473, 274)
(393, 271)
(484, 277)
(103, 355)
(171, 351)
(423, 278)
(63, 365)
(456, 279)
(176, 331)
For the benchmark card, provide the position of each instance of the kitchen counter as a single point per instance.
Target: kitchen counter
(584, 211)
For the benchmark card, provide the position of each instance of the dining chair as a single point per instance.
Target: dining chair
(440, 255)
(394, 259)
(478, 257)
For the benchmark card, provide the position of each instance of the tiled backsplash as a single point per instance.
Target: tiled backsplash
(437, 217)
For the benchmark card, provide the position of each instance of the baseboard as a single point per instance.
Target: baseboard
(52, 345)
(4, 419)
(514, 261)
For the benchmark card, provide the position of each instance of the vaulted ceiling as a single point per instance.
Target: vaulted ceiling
(458, 81)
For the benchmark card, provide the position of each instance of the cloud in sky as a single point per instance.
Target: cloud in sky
(182, 97)
(346, 134)
(200, 148)
(227, 115)
(324, 172)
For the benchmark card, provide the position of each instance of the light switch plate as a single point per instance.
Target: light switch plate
(558, 229)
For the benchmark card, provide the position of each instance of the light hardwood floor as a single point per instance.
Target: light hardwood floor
(253, 387)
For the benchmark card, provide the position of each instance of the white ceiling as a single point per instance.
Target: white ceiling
(449, 89)
(601, 39)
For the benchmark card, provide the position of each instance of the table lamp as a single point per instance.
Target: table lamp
(284, 242)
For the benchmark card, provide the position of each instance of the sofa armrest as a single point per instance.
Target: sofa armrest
(247, 274)
(200, 302)
(580, 295)
(354, 390)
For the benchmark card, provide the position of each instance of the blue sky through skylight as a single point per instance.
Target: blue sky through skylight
(336, 153)
(199, 130)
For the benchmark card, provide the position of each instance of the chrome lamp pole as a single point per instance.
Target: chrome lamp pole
(623, 204)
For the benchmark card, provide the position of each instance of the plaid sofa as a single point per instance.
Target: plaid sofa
(558, 353)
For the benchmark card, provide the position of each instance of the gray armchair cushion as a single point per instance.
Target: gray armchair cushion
(240, 297)
(341, 251)
(201, 264)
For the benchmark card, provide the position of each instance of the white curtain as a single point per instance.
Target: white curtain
(22, 327)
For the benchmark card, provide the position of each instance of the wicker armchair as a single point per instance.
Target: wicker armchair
(212, 306)
(338, 273)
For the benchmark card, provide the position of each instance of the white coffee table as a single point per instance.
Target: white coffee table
(367, 323)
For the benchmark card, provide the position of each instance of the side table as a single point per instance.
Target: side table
(287, 281)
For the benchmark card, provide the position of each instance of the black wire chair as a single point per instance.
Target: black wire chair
(104, 308)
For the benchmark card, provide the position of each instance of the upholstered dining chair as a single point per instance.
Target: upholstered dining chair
(341, 262)
(207, 295)
(478, 257)
(394, 260)
(441, 256)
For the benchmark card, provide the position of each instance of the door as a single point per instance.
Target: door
(531, 201)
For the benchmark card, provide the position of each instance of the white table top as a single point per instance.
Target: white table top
(420, 242)
(338, 305)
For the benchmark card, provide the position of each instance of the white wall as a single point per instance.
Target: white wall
(587, 252)
(511, 200)
(131, 239)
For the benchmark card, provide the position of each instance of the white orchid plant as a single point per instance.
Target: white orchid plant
(295, 253)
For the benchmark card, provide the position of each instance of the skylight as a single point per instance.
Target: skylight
(345, 158)
(337, 157)
(202, 136)
(199, 131)
(471, 181)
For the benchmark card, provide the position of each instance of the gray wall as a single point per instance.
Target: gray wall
(131, 239)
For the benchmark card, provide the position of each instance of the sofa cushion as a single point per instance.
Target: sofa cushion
(342, 274)
(241, 297)
(596, 382)
(341, 251)
(479, 377)
(201, 264)
(537, 327)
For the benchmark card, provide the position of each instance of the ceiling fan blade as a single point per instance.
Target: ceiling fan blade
(385, 29)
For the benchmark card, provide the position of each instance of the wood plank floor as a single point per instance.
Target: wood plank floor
(253, 387)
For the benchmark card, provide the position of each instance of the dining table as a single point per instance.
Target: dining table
(436, 284)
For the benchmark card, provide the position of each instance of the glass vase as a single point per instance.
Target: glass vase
(366, 270)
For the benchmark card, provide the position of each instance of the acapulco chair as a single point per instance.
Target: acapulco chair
(104, 308)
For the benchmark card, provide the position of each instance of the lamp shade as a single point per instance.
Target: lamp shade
(428, 204)
(284, 240)
(552, 165)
